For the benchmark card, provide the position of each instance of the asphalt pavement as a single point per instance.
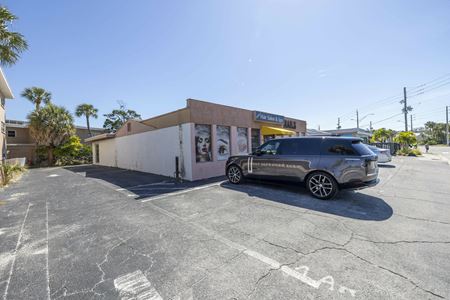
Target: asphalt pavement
(72, 234)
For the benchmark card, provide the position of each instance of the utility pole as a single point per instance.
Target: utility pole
(446, 124)
(357, 119)
(371, 126)
(338, 124)
(405, 109)
(411, 123)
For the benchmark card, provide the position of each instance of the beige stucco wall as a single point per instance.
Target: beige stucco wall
(107, 152)
(174, 118)
(2, 134)
(83, 133)
(22, 150)
(135, 127)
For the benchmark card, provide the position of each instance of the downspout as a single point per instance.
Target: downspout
(181, 159)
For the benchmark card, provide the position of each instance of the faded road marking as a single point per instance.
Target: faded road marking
(53, 175)
(46, 257)
(135, 286)
(184, 191)
(273, 264)
(15, 252)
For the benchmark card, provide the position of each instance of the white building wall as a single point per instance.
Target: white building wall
(107, 152)
(151, 151)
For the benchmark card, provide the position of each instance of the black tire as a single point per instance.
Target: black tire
(234, 174)
(322, 185)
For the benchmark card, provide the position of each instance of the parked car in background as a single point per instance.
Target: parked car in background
(325, 164)
(384, 155)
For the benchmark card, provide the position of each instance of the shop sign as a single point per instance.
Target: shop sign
(266, 117)
(290, 124)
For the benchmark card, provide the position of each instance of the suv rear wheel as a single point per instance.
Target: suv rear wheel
(322, 185)
(234, 174)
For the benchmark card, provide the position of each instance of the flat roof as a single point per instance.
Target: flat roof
(102, 136)
(4, 86)
(25, 124)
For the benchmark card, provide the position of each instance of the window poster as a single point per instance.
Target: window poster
(202, 143)
(242, 140)
(223, 142)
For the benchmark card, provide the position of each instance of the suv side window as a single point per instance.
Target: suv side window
(288, 147)
(300, 146)
(270, 147)
(337, 147)
(309, 146)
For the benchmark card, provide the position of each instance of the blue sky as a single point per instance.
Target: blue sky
(313, 60)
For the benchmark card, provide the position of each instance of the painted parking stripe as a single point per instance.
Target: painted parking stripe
(136, 286)
(19, 240)
(273, 264)
(206, 186)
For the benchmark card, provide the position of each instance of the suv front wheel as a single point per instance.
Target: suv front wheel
(322, 185)
(234, 174)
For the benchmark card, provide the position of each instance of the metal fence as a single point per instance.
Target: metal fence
(393, 147)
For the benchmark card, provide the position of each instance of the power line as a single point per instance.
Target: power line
(440, 78)
(383, 120)
(423, 91)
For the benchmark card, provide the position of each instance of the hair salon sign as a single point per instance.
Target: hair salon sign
(266, 117)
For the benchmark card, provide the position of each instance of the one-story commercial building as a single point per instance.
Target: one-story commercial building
(193, 142)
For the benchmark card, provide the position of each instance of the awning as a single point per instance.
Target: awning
(266, 130)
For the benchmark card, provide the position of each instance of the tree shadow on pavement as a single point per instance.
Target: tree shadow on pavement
(349, 204)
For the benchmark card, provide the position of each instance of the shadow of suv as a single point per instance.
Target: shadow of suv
(324, 164)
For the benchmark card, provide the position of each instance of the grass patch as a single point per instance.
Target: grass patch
(8, 172)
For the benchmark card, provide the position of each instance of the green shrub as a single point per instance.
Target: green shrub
(409, 152)
(9, 171)
(73, 152)
(415, 152)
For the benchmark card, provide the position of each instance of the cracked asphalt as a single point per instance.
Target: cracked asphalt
(65, 234)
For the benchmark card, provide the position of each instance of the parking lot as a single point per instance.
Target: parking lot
(92, 232)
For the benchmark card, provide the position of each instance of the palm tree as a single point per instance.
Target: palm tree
(50, 127)
(87, 110)
(11, 43)
(37, 95)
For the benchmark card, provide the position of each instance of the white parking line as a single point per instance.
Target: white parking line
(15, 253)
(206, 186)
(273, 264)
(47, 273)
(136, 286)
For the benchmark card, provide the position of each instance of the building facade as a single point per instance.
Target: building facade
(193, 142)
(5, 93)
(21, 144)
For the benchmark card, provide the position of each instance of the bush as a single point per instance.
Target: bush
(73, 152)
(9, 171)
(409, 152)
(415, 152)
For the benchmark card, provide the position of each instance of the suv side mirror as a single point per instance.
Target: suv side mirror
(257, 152)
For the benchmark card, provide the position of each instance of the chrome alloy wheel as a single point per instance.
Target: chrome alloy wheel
(320, 185)
(234, 174)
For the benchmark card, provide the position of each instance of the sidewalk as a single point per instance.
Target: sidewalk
(437, 153)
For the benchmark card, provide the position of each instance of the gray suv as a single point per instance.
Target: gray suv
(324, 164)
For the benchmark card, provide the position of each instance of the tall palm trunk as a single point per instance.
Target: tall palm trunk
(50, 156)
(88, 126)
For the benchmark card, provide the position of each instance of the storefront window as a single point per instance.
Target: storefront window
(223, 142)
(202, 143)
(242, 140)
(255, 138)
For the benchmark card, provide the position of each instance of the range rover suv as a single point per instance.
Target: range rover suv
(324, 164)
